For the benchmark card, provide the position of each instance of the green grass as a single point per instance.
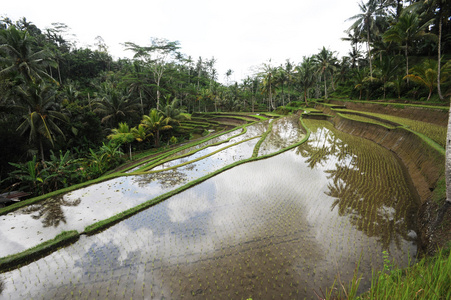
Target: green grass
(262, 139)
(32, 254)
(365, 120)
(429, 279)
(434, 132)
(397, 105)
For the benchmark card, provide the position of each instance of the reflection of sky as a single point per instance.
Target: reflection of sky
(102, 200)
(285, 132)
(276, 205)
(215, 140)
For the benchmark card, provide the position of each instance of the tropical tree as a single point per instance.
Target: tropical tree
(441, 9)
(326, 62)
(28, 176)
(360, 79)
(140, 133)
(21, 57)
(114, 104)
(386, 69)
(365, 23)
(138, 83)
(155, 121)
(122, 135)
(305, 76)
(426, 74)
(39, 103)
(281, 80)
(173, 112)
(156, 57)
(268, 82)
(406, 31)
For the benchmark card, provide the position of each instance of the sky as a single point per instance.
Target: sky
(240, 34)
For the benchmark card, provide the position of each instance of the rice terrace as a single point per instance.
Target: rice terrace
(149, 173)
(274, 208)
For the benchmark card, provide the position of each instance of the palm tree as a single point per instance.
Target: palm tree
(122, 135)
(172, 112)
(289, 69)
(140, 133)
(426, 74)
(21, 57)
(305, 76)
(365, 22)
(326, 65)
(114, 104)
(386, 69)
(156, 122)
(360, 79)
(138, 83)
(442, 11)
(281, 79)
(39, 102)
(408, 29)
(268, 83)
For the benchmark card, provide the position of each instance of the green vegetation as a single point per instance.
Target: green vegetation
(39, 251)
(365, 119)
(427, 279)
(434, 132)
(66, 111)
(64, 98)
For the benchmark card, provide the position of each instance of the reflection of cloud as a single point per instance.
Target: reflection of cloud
(179, 211)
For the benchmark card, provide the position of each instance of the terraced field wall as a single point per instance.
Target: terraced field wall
(424, 162)
(434, 116)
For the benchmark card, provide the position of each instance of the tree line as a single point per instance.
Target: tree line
(65, 108)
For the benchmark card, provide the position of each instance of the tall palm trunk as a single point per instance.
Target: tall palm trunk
(325, 86)
(369, 51)
(448, 161)
(407, 63)
(439, 90)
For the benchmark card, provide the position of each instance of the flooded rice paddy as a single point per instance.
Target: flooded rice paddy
(278, 228)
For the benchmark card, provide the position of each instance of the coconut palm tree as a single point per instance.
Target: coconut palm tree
(155, 121)
(38, 102)
(172, 111)
(365, 22)
(281, 80)
(122, 135)
(386, 69)
(114, 104)
(268, 83)
(21, 57)
(441, 9)
(305, 76)
(326, 63)
(426, 74)
(407, 30)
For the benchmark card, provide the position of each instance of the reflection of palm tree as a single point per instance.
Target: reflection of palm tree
(166, 179)
(2, 284)
(51, 211)
(357, 189)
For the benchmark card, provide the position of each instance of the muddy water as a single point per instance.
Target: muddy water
(279, 228)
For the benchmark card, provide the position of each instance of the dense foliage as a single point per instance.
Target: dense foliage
(57, 97)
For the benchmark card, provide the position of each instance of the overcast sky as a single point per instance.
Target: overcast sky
(240, 34)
